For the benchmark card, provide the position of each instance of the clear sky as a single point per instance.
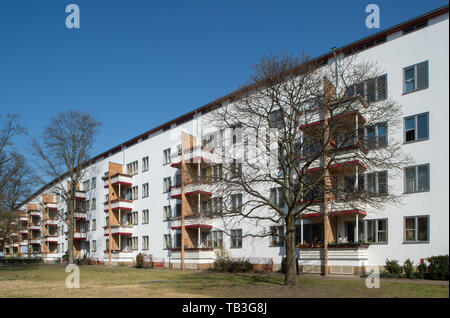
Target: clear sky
(136, 64)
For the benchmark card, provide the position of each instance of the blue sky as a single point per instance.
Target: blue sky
(136, 64)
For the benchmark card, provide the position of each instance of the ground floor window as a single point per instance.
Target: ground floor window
(416, 229)
(145, 242)
(217, 239)
(376, 231)
(312, 234)
(277, 236)
(94, 246)
(167, 241)
(236, 238)
(134, 244)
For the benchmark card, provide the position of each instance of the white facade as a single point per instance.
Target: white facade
(399, 51)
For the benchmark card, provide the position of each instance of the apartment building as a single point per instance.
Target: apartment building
(144, 195)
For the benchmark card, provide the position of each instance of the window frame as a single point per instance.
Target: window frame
(414, 66)
(145, 243)
(145, 164)
(167, 160)
(416, 190)
(235, 237)
(416, 229)
(416, 128)
(366, 232)
(145, 216)
(145, 190)
(167, 244)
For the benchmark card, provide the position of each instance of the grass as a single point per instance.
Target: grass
(104, 281)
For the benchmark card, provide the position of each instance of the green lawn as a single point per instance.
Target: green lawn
(104, 281)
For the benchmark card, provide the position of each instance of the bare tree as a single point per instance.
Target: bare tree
(62, 154)
(284, 134)
(14, 178)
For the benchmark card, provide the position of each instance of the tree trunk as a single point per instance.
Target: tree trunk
(70, 231)
(290, 278)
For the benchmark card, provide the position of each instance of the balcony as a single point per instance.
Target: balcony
(341, 259)
(23, 219)
(79, 215)
(79, 235)
(119, 256)
(51, 222)
(35, 227)
(51, 205)
(51, 238)
(198, 187)
(120, 204)
(35, 242)
(193, 253)
(23, 231)
(192, 222)
(80, 195)
(118, 230)
(119, 178)
(23, 242)
(196, 155)
(35, 213)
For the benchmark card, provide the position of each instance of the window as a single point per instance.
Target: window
(236, 202)
(236, 169)
(276, 197)
(167, 213)
(145, 242)
(415, 77)
(134, 193)
(217, 238)
(377, 183)
(145, 217)
(277, 236)
(166, 184)
(93, 203)
(86, 206)
(93, 183)
(166, 156)
(214, 206)
(86, 185)
(134, 218)
(167, 241)
(416, 229)
(178, 210)
(145, 190)
(416, 128)
(94, 224)
(94, 246)
(236, 238)
(374, 89)
(132, 168)
(417, 178)
(144, 164)
(134, 243)
(376, 231)
(376, 136)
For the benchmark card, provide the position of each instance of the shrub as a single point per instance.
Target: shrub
(408, 268)
(65, 257)
(438, 267)
(139, 261)
(421, 271)
(393, 268)
(241, 266)
(85, 261)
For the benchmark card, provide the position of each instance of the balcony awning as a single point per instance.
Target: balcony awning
(192, 226)
(335, 213)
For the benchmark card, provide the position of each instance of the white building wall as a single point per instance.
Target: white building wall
(430, 43)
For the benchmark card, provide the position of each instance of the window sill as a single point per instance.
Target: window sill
(414, 141)
(413, 192)
(416, 242)
(417, 90)
(235, 247)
